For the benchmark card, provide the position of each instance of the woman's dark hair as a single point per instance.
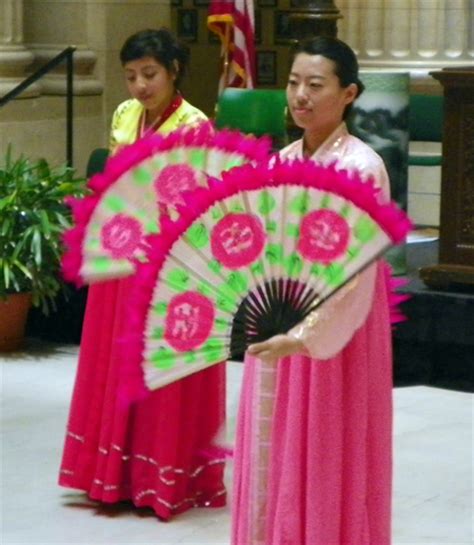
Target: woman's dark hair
(344, 59)
(161, 45)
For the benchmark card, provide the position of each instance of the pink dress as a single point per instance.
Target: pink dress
(149, 453)
(313, 448)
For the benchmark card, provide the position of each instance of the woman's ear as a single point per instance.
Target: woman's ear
(175, 68)
(351, 93)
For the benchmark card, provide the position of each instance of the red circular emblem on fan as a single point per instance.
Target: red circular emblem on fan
(237, 240)
(189, 321)
(324, 236)
(121, 236)
(174, 180)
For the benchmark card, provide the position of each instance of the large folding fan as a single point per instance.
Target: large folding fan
(140, 182)
(248, 257)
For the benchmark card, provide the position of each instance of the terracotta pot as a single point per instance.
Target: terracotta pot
(13, 313)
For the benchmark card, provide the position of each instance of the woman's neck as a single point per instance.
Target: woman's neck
(153, 115)
(313, 139)
(148, 124)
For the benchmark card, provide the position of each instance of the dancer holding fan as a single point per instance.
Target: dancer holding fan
(234, 251)
(148, 453)
(313, 450)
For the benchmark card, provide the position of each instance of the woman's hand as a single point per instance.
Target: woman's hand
(277, 347)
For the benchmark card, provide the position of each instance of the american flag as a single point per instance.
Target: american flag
(233, 22)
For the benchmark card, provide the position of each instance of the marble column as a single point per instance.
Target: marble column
(414, 35)
(54, 83)
(15, 58)
(50, 27)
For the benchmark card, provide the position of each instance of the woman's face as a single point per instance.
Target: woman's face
(149, 82)
(315, 96)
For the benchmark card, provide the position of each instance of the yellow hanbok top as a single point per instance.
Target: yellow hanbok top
(126, 119)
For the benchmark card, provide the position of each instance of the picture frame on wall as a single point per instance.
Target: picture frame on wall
(258, 26)
(267, 3)
(282, 27)
(187, 24)
(266, 67)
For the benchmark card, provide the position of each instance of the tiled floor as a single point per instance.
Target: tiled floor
(433, 467)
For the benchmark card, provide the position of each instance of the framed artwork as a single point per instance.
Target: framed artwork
(266, 68)
(282, 27)
(267, 3)
(258, 26)
(187, 24)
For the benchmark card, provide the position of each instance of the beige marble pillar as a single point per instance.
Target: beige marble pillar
(414, 35)
(54, 83)
(50, 27)
(15, 58)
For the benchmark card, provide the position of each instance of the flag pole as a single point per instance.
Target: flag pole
(226, 57)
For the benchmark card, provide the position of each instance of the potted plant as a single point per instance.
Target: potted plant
(33, 216)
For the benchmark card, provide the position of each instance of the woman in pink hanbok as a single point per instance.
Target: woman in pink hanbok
(313, 448)
(151, 452)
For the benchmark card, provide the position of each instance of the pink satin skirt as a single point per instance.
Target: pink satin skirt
(152, 451)
(313, 458)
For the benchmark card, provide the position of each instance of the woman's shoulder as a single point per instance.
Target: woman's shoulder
(186, 114)
(358, 146)
(189, 114)
(127, 110)
(366, 161)
(354, 153)
(124, 123)
(291, 151)
(127, 106)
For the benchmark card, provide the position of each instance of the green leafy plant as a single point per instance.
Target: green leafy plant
(33, 217)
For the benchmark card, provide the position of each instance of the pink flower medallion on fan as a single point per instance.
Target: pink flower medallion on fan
(324, 236)
(172, 181)
(237, 240)
(121, 236)
(189, 321)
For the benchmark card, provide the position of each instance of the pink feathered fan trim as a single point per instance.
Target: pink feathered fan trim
(203, 135)
(246, 177)
(395, 298)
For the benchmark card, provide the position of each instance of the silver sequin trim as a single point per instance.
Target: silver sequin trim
(172, 506)
(75, 436)
(167, 474)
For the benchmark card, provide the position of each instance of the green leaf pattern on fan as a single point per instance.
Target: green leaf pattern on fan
(178, 279)
(198, 235)
(266, 203)
(142, 176)
(274, 253)
(300, 204)
(158, 333)
(294, 265)
(163, 358)
(115, 204)
(365, 229)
